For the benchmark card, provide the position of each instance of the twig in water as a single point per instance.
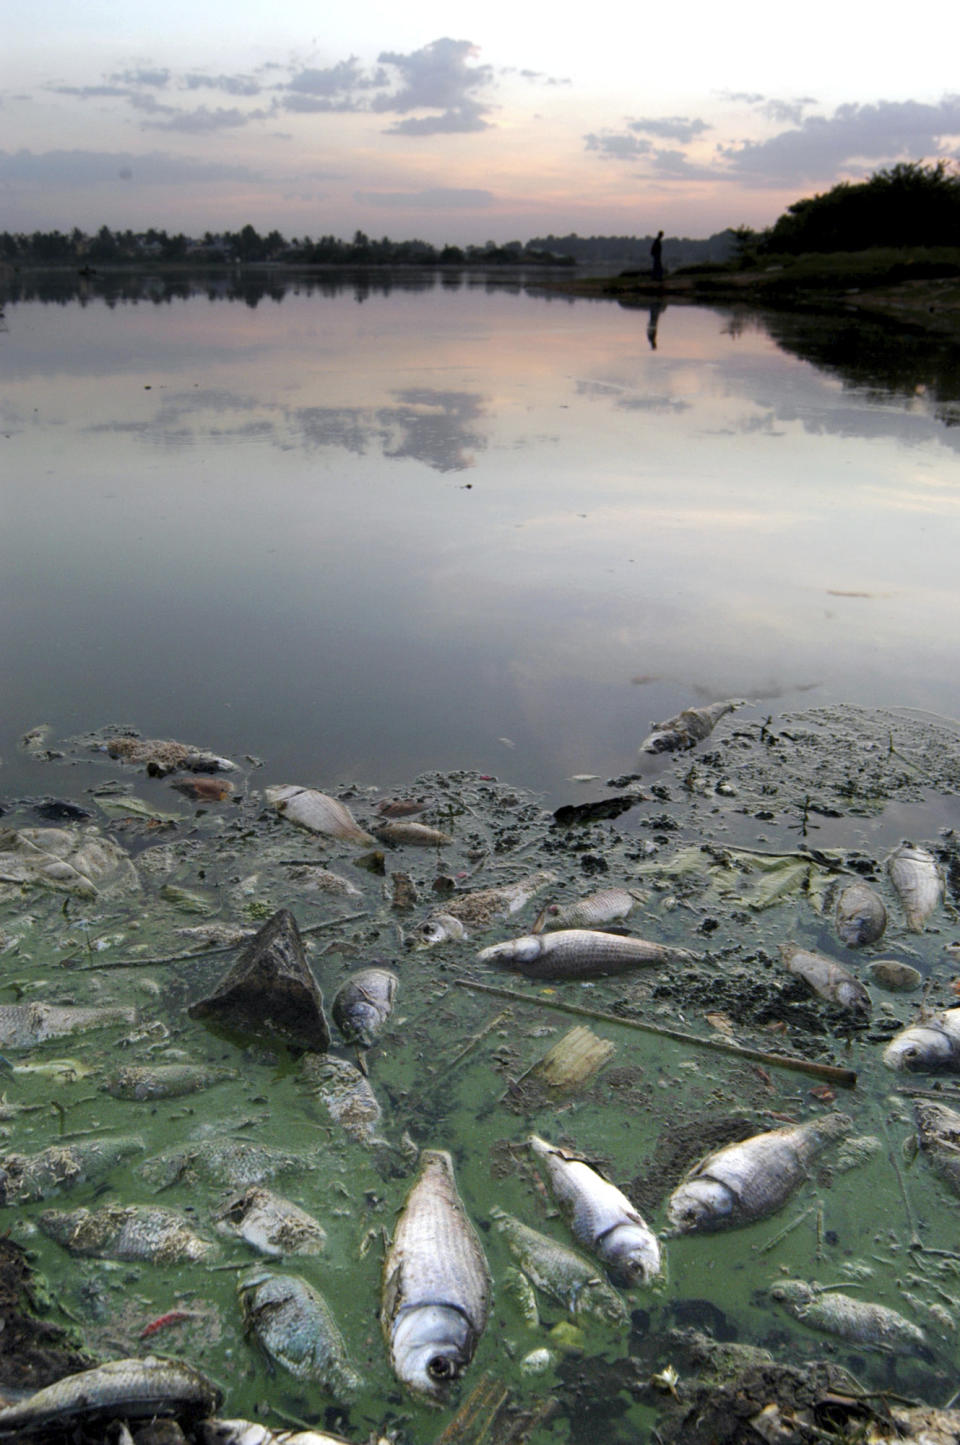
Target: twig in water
(788, 1229)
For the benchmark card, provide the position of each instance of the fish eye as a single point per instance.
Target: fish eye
(441, 1367)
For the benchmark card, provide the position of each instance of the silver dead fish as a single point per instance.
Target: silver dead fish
(346, 1093)
(362, 1004)
(830, 979)
(164, 1081)
(860, 915)
(915, 876)
(24, 1024)
(687, 729)
(579, 953)
(852, 1319)
(931, 1043)
(317, 812)
(135, 1389)
(747, 1181)
(411, 835)
(271, 1224)
(25, 1177)
(436, 1284)
(248, 1432)
(133, 1232)
(218, 1160)
(561, 1273)
(479, 909)
(601, 1218)
(938, 1133)
(295, 1326)
(607, 906)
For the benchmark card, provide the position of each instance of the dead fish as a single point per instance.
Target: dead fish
(915, 876)
(74, 860)
(827, 978)
(216, 935)
(162, 756)
(164, 1081)
(129, 1232)
(318, 813)
(325, 881)
(860, 915)
(929, 1044)
(247, 1432)
(607, 906)
(204, 790)
(218, 1160)
(892, 974)
(852, 1319)
(688, 728)
(346, 1093)
(402, 807)
(24, 1024)
(135, 1389)
(601, 1218)
(479, 909)
(271, 1224)
(579, 953)
(412, 835)
(938, 1131)
(295, 1327)
(561, 1273)
(749, 1180)
(26, 1177)
(362, 1004)
(436, 1283)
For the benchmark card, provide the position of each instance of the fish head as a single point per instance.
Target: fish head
(922, 1046)
(439, 928)
(516, 951)
(702, 1203)
(794, 1292)
(431, 1346)
(632, 1253)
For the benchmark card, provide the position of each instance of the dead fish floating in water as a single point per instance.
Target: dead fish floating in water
(601, 1218)
(162, 756)
(318, 813)
(561, 1273)
(479, 909)
(930, 1044)
(411, 835)
(915, 876)
(607, 906)
(295, 1327)
(687, 729)
(127, 1232)
(864, 1323)
(579, 953)
(860, 915)
(346, 1093)
(135, 1389)
(27, 1177)
(271, 1224)
(24, 1024)
(247, 1432)
(747, 1181)
(145, 1082)
(436, 1283)
(363, 1003)
(828, 978)
(938, 1133)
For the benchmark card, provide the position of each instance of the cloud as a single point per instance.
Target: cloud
(230, 84)
(673, 127)
(787, 111)
(203, 121)
(437, 78)
(156, 79)
(92, 92)
(78, 168)
(442, 198)
(821, 146)
(338, 87)
(618, 147)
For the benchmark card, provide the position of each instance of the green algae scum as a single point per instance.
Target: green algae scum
(138, 1131)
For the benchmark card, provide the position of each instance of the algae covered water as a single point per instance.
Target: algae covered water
(730, 849)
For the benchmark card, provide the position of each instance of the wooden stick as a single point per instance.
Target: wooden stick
(846, 1078)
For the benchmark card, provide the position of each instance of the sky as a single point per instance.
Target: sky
(453, 124)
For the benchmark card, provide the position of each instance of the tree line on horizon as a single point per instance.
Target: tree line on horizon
(909, 204)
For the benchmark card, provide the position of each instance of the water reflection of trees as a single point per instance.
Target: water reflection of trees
(876, 359)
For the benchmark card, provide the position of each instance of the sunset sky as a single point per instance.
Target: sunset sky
(494, 122)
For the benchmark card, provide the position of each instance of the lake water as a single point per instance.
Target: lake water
(362, 530)
(358, 532)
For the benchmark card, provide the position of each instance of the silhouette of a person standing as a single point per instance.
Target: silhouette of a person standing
(656, 251)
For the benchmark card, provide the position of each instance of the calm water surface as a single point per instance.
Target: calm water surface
(364, 532)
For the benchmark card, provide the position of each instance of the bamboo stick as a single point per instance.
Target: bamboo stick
(846, 1078)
